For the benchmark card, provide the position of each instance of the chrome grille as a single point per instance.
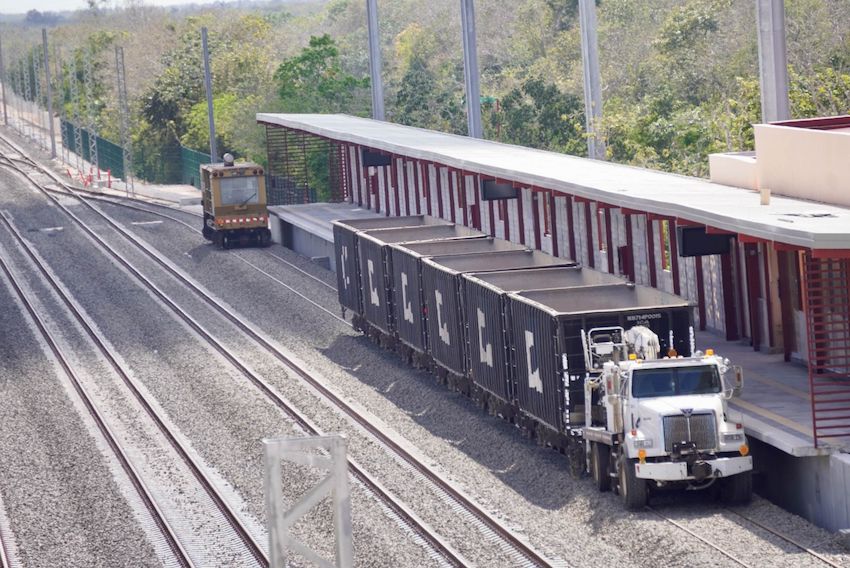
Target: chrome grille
(703, 431)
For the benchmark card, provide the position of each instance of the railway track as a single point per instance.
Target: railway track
(732, 556)
(209, 487)
(181, 557)
(519, 550)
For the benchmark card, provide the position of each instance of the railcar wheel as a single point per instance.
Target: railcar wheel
(600, 462)
(633, 489)
(738, 489)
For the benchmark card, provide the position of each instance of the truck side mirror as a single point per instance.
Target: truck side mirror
(739, 380)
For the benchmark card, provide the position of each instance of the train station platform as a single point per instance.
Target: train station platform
(307, 230)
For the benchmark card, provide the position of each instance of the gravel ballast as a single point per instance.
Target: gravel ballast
(527, 487)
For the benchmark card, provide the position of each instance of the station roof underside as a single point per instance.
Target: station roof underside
(796, 222)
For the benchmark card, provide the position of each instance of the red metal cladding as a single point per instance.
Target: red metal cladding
(520, 217)
(827, 308)
(396, 188)
(609, 241)
(650, 252)
(550, 195)
(439, 179)
(588, 221)
(571, 229)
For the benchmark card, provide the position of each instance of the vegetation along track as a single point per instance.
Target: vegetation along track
(197, 470)
(180, 554)
(519, 550)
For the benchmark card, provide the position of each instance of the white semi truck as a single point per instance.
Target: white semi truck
(658, 421)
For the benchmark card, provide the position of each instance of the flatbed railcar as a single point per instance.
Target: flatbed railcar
(345, 233)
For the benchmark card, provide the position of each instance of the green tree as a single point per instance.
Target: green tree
(539, 115)
(313, 81)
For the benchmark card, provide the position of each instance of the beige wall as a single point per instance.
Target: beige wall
(809, 164)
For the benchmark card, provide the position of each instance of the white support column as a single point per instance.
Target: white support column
(375, 64)
(470, 68)
(773, 63)
(592, 88)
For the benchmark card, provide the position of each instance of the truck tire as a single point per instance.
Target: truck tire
(600, 460)
(738, 489)
(633, 489)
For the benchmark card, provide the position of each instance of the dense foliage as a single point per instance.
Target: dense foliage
(680, 77)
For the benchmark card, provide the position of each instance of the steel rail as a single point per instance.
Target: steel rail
(700, 538)
(135, 478)
(206, 483)
(486, 519)
(787, 539)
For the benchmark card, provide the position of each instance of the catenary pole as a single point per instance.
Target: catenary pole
(470, 68)
(375, 65)
(49, 94)
(208, 87)
(773, 63)
(592, 88)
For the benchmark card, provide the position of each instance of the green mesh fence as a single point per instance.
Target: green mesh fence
(190, 165)
(110, 156)
(172, 163)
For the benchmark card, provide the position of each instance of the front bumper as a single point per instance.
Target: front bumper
(678, 471)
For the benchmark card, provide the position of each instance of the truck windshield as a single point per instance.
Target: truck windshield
(239, 190)
(675, 381)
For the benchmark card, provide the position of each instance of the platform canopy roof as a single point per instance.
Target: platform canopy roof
(787, 220)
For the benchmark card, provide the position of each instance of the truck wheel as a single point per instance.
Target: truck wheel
(600, 459)
(738, 489)
(632, 488)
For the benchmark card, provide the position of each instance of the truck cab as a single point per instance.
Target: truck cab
(657, 422)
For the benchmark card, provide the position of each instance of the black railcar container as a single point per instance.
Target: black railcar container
(489, 320)
(376, 277)
(409, 303)
(345, 247)
(547, 336)
(442, 288)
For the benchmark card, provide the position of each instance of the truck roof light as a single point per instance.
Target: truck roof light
(632, 356)
(709, 352)
(739, 426)
(633, 432)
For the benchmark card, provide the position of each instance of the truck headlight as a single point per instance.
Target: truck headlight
(733, 438)
(643, 443)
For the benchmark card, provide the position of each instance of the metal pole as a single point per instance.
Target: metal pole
(773, 63)
(470, 68)
(3, 85)
(208, 87)
(375, 65)
(49, 94)
(592, 89)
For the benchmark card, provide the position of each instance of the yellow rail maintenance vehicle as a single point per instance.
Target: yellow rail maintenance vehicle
(234, 198)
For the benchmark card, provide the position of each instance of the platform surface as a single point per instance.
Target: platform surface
(315, 218)
(775, 399)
